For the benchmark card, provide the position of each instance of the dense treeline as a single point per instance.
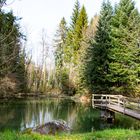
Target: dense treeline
(12, 56)
(68, 49)
(18, 74)
(101, 56)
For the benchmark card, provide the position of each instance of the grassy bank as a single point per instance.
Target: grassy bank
(117, 134)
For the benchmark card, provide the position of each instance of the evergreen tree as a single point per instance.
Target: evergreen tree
(11, 68)
(77, 35)
(69, 49)
(123, 69)
(97, 64)
(81, 25)
(73, 44)
(59, 41)
(59, 54)
(75, 15)
(21, 72)
(88, 36)
(9, 43)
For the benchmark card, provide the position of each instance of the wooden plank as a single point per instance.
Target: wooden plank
(104, 95)
(119, 103)
(124, 111)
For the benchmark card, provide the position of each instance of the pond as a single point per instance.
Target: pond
(21, 114)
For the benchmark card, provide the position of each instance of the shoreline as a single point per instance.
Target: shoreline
(77, 98)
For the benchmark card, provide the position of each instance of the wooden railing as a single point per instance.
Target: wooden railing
(116, 102)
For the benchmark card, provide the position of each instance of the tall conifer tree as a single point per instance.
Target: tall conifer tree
(75, 15)
(125, 36)
(96, 69)
(12, 66)
(71, 31)
(81, 25)
(60, 38)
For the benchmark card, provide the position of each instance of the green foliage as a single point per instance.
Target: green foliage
(9, 44)
(97, 60)
(112, 64)
(61, 72)
(70, 39)
(75, 15)
(22, 72)
(115, 134)
(51, 83)
(125, 32)
(60, 43)
(12, 59)
(88, 36)
(81, 25)
(62, 79)
(74, 37)
(68, 46)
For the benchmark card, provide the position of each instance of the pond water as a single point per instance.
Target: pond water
(21, 114)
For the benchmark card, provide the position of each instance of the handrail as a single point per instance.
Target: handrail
(117, 100)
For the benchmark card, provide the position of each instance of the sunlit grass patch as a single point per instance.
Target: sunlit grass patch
(110, 134)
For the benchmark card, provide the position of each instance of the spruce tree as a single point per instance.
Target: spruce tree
(10, 42)
(88, 36)
(125, 32)
(97, 64)
(81, 25)
(69, 49)
(11, 67)
(77, 35)
(21, 71)
(75, 15)
(60, 40)
(59, 43)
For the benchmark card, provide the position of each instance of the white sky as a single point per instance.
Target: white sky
(39, 14)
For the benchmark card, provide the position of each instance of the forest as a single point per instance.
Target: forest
(100, 55)
(90, 86)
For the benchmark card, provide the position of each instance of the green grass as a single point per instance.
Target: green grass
(111, 134)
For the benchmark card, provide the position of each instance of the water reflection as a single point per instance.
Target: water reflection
(22, 114)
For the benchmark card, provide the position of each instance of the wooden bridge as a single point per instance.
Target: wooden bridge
(119, 103)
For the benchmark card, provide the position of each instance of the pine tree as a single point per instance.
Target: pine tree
(124, 37)
(97, 63)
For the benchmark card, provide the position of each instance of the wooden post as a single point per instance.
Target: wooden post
(106, 100)
(118, 100)
(138, 103)
(124, 105)
(93, 101)
(101, 100)
(109, 100)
